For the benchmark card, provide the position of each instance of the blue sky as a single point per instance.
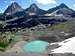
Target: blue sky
(43, 4)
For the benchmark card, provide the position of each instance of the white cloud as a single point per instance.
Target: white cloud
(45, 2)
(6, 6)
(74, 5)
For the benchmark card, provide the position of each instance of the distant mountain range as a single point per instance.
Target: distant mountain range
(35, 10)
(16, 15)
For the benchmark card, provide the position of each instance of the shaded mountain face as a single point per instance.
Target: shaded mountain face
(17, 15)
(61, 9)
(57, 7)
(73, 14)
(14, 11)
(1, 16)
(13, 8)
(65, 12)
(32, 8)
(35, 10)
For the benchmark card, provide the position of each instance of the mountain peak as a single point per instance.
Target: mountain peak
(14, 7)
(63, 5)
(33, 8)
(62, 9)
(15, 3)
(34, 5)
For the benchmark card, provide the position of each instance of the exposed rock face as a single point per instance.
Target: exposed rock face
(62, 9)
(13, 8)
(34, 10)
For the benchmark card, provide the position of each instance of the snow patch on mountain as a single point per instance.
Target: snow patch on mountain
(67, 46)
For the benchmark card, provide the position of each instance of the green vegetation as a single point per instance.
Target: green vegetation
(8, 39)
(63, 26)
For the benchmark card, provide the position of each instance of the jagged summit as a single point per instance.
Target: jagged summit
(34, 9)
(63, 6)
(34, 5)
(13, 8)
(62, 9)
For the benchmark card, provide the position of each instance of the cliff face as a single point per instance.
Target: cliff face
(35, 9)
(13, 8)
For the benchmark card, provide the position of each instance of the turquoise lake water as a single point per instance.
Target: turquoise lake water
(35, 46)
